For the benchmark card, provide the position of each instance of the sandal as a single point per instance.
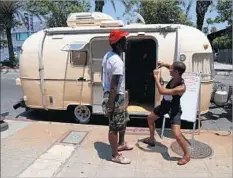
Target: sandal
(125, 146)
(121, 159)
(183, 161)
(148, 141)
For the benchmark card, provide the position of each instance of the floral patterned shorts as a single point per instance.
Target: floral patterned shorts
(120, 117)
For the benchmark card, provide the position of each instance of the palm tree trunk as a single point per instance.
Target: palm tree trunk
(10, 45)
(201, 9)
(99, 4)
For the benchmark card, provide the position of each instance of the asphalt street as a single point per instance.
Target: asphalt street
(216, 119)
(10, 94)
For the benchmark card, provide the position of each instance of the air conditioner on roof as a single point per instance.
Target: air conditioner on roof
(87, 18)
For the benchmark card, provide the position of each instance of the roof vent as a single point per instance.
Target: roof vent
(87, 19)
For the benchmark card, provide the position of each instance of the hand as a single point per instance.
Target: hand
(160, 64)
(156, 73)
(108, 112)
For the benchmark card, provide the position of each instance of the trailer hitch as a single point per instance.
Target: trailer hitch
(20, 103)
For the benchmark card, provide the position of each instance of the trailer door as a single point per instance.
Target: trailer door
(77, 77)
(99, 47)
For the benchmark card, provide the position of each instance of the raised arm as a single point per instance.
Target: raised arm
(179, 90)
(162, 64)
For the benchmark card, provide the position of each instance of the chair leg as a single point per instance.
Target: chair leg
(163, 126)
(193, 133)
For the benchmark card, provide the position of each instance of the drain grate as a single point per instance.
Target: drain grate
(74, 137)
(198, 151)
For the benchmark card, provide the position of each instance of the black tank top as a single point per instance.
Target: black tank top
(173, 101)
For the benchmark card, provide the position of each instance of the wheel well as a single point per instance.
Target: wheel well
(72, 106)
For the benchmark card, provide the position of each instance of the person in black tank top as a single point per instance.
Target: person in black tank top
(170, 104)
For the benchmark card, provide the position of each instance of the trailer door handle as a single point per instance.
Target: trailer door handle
(81, 79)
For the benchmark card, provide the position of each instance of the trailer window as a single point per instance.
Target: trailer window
(203, 63)
(78, 58)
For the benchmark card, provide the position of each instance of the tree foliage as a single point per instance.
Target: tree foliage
(161, 12)
(8, 10)
(224, 10)
(56, 12)
(222, 42)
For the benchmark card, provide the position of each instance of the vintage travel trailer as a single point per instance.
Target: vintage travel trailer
(60, 68)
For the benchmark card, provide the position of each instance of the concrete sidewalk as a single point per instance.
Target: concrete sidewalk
(43, 149)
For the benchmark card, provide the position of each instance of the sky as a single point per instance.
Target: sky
(108, 9)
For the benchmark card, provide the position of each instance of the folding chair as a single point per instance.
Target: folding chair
(166, 116)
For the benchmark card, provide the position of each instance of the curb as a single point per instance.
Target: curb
(216, 71)
(9, 70)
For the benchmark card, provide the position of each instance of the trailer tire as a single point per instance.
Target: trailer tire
(82, 114)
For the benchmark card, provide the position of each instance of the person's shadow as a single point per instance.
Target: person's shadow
(104, 150)
(158, 148)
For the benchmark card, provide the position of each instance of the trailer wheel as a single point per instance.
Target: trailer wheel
(82, 114)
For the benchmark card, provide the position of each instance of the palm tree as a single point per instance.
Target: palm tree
(201, 9)
(3, 43)
(8, 10)
(99, 4)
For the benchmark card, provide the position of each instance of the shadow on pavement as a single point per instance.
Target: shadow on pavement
(159, 148)
(66, 117)
(221, 112)
(50, 116)
(167, 133)
(103, 150)
(58, 116)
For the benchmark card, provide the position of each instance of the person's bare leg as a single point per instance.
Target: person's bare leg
(112, 137)
(122, 144)
(121, 138)
(182, 142)
(116, 156)
(151, 124)
(122, 133)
